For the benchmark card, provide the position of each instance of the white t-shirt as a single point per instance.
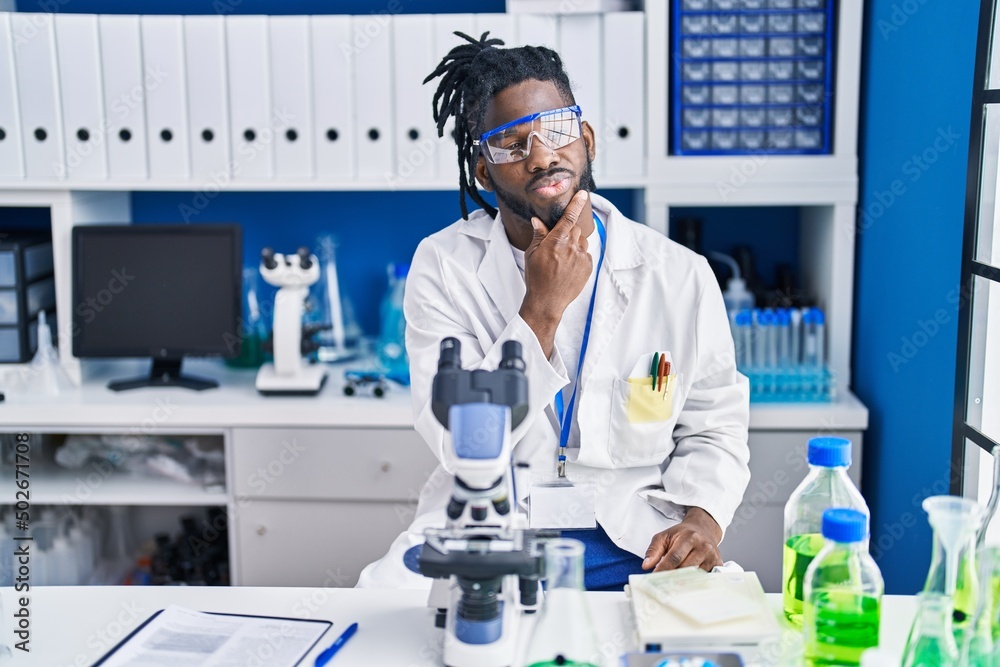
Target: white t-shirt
(569, 335)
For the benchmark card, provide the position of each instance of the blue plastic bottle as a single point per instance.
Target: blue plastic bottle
(392, 338)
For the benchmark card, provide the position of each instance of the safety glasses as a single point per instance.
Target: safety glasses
(511, 142)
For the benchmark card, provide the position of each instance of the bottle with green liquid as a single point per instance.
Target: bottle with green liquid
(826, 485)
(843, 593)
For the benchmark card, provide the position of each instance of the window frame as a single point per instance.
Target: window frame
(982, 97)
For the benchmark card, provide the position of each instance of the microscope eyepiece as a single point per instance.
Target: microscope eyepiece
(512, 356)
(267, 258)
(305, 258)
(451, 354)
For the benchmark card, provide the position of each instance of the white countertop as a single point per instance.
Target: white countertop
(76, 625)
(236, 403)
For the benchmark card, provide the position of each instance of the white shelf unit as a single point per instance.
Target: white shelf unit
(824, 187)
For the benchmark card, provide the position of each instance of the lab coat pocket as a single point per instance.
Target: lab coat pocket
(642, 420)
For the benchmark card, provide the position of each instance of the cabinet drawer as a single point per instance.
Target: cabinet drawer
(299, 543)
(330, 464)
(778, 464)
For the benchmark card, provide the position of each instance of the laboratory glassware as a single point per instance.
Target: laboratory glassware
(952, 571)
(826, 485)
(843, 593)
(564, 633)
(931, 642)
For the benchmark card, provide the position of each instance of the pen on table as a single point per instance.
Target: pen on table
(325, 656)
(653, 368)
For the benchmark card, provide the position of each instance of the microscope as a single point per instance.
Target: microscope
(290, 373)
(485, 562)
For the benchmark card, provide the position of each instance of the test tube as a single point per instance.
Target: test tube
(809, 339)
(784, 337)
(770, 331)
(794, 353)
(819, 322)
(744, 339)
(759, 344)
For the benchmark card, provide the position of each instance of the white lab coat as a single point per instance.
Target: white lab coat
(652, 295)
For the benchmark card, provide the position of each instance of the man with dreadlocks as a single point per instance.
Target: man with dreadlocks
(592, 297)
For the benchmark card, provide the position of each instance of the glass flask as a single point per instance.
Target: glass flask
(931, 642)
(564, 632)
(843, 593)
(978, 648)
(953, 573)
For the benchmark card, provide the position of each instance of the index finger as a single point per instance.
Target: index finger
(571, 214)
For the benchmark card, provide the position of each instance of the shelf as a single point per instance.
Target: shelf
(235, 403)
(213, 188)
(54, 485)
(95, 408)
(847, 413)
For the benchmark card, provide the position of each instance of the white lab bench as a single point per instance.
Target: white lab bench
(74, 626)
(318, 487)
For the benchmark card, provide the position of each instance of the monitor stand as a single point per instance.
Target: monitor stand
(165, 373)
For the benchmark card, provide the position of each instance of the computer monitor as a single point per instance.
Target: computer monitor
(160, 291)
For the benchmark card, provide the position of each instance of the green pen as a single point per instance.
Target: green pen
(652, 369)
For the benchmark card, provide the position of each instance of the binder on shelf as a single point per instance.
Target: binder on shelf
(291, 79)
(79, 55)
(538, 30)
(11, 153)
(333, 97)
(580, 40)
(124, 99)
(499, 25)
(624, 137)
(166, 97)
(373, 98)
(38, 95)
(445, 26)
(208, 102)
(250, 114)
(416, 132)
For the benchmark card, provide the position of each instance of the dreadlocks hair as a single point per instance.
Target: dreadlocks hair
(471, 74)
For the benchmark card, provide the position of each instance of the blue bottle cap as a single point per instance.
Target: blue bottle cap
(784, 317)
(829, 452)
(817, 316)
(744, 318)
(766, 318)
(844, 525)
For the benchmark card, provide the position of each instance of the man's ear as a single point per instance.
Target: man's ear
(589, 139)
(483, 175)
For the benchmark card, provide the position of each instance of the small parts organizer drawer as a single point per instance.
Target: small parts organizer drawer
(750, 76)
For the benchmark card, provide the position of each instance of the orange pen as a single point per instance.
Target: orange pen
(660, 370)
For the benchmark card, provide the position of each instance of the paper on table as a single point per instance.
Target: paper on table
(179, 636)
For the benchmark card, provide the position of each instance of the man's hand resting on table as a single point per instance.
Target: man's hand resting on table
(692, 542)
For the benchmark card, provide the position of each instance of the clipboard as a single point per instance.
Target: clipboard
(104, 659)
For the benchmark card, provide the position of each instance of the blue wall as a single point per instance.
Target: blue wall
(916, 104)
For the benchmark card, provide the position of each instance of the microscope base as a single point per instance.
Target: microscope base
(306, 382)
(499, 653)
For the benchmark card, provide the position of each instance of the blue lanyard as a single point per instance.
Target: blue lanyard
(566, 415)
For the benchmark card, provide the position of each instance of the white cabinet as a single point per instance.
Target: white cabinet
(314, 506)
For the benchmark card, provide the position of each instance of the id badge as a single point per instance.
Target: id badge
(559, 503)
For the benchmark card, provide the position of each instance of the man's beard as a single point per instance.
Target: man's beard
(522, 207)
